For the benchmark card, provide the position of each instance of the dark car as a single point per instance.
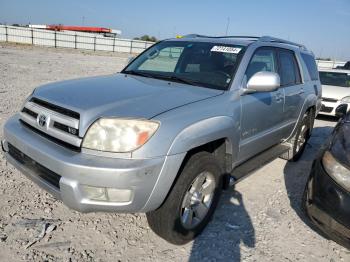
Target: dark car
(327, 194)
(347, 65)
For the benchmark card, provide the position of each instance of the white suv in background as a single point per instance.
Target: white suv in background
(335, 89)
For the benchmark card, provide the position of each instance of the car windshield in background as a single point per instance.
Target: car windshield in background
(335, 79)
(210, 65)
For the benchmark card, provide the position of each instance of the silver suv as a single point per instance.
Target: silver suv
(184, 120)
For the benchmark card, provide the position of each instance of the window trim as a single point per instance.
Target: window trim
(297, 65)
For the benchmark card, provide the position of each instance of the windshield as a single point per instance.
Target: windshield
(335, 79)
(202, 64)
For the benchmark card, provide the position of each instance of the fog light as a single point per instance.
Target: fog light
(95, 193)
(119, 195)
(5, 145)
(107, 194)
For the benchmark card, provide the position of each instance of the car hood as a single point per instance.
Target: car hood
(120, 95)
(336, 92)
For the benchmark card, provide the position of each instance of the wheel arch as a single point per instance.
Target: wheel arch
(213, 135)
(308, 107)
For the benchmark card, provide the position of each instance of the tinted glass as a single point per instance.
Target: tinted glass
(347, 65)
(311, 66)
(203, 64)
(289, 70)
(165, 61)
(335, 79)
(263, 60)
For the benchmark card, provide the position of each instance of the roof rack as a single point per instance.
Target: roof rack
(256, 38)
(279, 40)
(226, 36)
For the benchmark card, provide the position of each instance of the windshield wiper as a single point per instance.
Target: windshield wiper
(178, 79)
(137, 73)
(164, 77)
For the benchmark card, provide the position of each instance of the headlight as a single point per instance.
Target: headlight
(346, 99)
(119, 135)
(337, 171)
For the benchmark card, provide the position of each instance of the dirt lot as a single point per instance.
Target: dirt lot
(258, 221)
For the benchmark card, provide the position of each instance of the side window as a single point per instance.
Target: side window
(263, 60)
(309, 60)
(288, 68)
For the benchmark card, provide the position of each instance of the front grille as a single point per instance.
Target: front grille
(55, 123)
(56, 108)
(41, 171)
(326, 109)
(51, 138)
(329, 99)
(29, 112)
(66, 128)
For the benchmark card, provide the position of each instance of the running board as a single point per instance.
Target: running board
(257, 162)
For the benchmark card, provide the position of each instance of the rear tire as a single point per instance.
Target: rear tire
(299, 140)
(191, 202)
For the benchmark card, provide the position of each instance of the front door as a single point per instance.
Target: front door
(262, 112)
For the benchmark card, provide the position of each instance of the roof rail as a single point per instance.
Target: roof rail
(279, 40)
(256, 38)
(225, 36)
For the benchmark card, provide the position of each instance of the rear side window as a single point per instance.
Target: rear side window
(288, 68)
(311, 66)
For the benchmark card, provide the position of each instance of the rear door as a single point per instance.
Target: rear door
(293, 88)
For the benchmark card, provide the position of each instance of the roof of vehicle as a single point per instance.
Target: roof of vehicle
(239, 40)
(334, 70)
(231, 41)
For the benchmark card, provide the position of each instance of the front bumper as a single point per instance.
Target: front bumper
(76, 169)
(328, 205)
(328, 108)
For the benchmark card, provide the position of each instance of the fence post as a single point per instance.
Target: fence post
(113, 43)
(131, 47)
(95, 43)
(32, 36)
(6, 34)
(75, 41)
(55, 40)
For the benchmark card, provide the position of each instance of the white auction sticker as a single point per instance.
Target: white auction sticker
(226, 49)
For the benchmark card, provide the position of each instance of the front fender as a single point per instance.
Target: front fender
(203, 132)
(195, 135)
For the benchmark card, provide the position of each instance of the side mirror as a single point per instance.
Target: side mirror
(341, 110)
(263, 82)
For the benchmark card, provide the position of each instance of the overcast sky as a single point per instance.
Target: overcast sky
(322, 25)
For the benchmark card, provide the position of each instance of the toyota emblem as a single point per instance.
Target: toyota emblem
(42, 120)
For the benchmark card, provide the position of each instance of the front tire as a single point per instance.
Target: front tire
(191, 202)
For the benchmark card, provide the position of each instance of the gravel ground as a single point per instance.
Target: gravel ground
(259, 220)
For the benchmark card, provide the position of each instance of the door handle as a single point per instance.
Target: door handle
(279, 97)
(301, 91)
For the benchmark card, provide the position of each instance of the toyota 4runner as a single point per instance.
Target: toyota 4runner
(181, 122)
